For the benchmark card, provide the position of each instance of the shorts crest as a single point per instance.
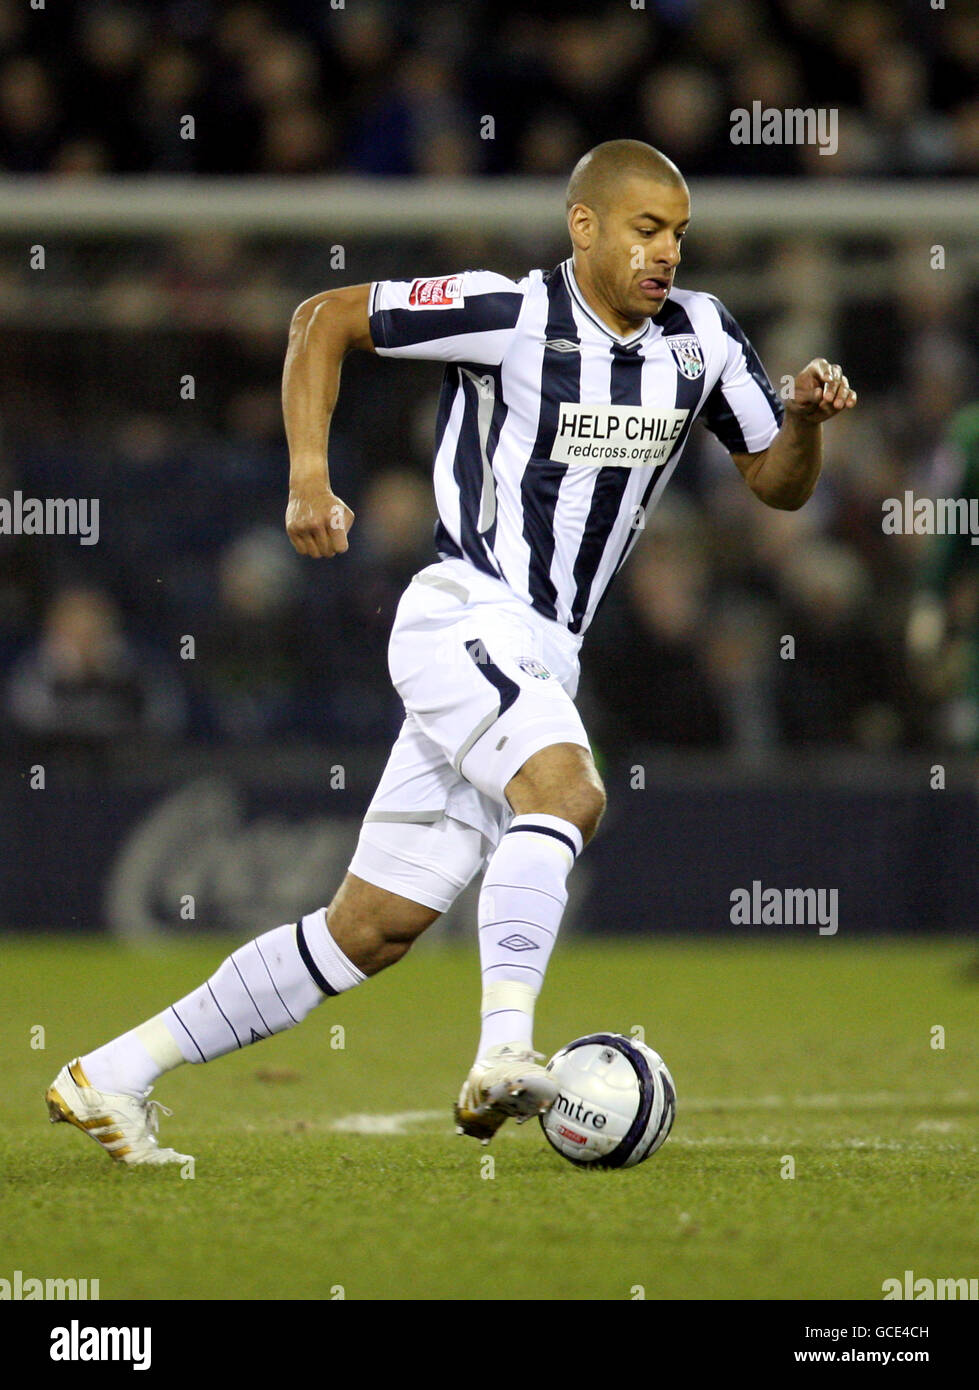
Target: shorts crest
(533, 667)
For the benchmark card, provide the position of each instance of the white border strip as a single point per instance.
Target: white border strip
(127, 204)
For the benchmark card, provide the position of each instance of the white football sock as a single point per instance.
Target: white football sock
(521, 903)
(264, 987)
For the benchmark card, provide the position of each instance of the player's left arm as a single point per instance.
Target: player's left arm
(784, 475)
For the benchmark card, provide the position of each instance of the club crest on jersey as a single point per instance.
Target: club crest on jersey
(444, 292)
(533, 667)
(688, 354)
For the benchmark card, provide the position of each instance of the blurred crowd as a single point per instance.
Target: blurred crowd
(193, 618)
(732, 627)
(381, 87)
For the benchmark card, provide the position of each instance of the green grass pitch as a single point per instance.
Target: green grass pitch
(816, 1051)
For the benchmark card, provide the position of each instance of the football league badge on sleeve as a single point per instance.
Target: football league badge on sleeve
(688, 354)
(444, 292)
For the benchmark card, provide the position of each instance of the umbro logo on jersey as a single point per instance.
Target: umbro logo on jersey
(689, 355)
(562, 345)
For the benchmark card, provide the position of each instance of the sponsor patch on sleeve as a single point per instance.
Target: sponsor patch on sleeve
(444, 292)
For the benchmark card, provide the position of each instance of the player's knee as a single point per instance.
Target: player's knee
(586, 806)
(560, 780)
(581, 802)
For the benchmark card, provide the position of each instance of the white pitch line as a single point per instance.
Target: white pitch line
(877, 1100)
(403, 1121)
(387, 1124)
(730, 1141)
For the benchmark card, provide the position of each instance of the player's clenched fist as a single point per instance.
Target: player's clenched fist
(317, 522)
(821, 391)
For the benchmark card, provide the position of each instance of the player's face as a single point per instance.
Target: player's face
(634, 248)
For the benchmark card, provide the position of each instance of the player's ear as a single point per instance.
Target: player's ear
(582, 225)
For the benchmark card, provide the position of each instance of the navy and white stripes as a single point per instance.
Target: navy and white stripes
(555, 435)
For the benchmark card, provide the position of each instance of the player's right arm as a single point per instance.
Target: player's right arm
(323, 330)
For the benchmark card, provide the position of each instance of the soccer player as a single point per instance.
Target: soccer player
(567, 401)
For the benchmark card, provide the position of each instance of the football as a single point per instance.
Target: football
(615, 1102)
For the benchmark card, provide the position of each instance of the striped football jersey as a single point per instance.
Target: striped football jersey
(555, 436)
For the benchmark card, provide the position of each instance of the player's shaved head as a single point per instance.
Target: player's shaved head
(628, 211)
(597, 178)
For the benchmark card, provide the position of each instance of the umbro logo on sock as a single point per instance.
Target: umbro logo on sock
(516, 942)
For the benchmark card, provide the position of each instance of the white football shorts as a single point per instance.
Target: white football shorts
(486, 683)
